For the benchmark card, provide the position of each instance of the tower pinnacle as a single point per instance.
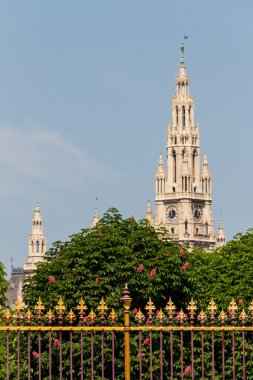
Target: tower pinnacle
(182, 53)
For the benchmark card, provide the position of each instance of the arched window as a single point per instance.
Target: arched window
(206, 229)
(185, 227)
(194, 154)
(174, 167)
(183, 116)
(189, 114)
(37, 246)
(197, 231)
(177, 115)
(172, 231)
(32, 247)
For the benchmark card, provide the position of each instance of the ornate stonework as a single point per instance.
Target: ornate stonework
(183, 194)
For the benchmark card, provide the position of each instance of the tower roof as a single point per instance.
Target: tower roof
(160, 173)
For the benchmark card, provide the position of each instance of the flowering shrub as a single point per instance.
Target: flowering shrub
(35, 354)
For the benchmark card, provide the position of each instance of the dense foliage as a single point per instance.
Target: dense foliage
(98, 262)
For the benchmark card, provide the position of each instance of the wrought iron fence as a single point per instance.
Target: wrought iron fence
(155, 344)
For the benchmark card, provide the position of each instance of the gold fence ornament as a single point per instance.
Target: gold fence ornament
(126, 299)
(7, 316)
(181, 317)
(18, 308)
(39, 308)
(102, 307)
(222, 316)
(139, 317)
(170, 308)
(243, 317)
(60, 308)
(28, 316)
(150, 307)
(232, 308)
(192, 307)
(50, 316)
(71, 317)
(113, 316)
(92, 316)
(202, 317)
(81, 307)
(212, 308)
(160, 316)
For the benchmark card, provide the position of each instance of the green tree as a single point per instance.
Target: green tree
(98, 262)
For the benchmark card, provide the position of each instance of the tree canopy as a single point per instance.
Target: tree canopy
(98, 262)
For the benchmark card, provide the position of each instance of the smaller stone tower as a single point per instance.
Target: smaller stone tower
(36, 244)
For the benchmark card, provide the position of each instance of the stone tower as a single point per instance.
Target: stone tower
(183, 194)
(36, 243)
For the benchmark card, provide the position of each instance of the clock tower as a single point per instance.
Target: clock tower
(183, 194)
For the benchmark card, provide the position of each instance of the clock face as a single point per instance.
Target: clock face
(197, 213)
(172, 213)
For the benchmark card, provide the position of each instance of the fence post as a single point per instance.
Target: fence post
(126, 299)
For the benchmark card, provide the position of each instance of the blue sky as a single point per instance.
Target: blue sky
(85, 92)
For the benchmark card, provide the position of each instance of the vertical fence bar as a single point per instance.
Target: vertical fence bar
(192, 309)
(92, 317)
(81, 355)
(182, 353)
(81, 310)
(140, 318)
(150, 307)
(7, 354)
(161, 317)
(243, 318)
(170, 308)
(29, 354)
(92, 353)
(222, 318)
(28, 318)
(140, 356)
(223, 354)
(102, 308)
(202, 319)
(150, 356)
(50, 354)
(71, 318)
(126, 299)
(49, 318)
(113, 318)
(171, 356)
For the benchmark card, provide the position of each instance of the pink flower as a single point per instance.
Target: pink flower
(240, 302)
(51, 279)
(97, 280)
(148, 321)
(146, 341)
(140, 268)
(56, 342)
(35, 355)
(58, 255)
(181, 251)
(135, 311)
(187, 370)
(153, 272)
(86, 319)
(140, 355)
(185, 265)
